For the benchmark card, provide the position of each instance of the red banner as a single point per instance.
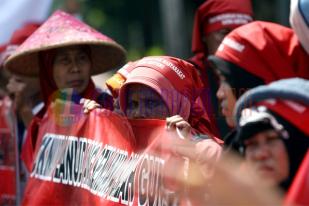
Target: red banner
(299, 190)
(7, 157)
(98, 159)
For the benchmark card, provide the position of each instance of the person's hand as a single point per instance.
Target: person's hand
(89, 105)
(177, 123)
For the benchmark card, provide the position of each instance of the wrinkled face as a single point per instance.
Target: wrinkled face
(71, 68)
(144, 103)
(227, 99)
(267, 155)
(214, 39)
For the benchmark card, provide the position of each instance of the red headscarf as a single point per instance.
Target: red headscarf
(211, 16)
(214, 15)
(267, 50)
(176, 81)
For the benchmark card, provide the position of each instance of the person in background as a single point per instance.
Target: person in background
(252, 55)
(4, 74)
(25, 91)
(214, 19)
(271, 133)
(63, 53)
(25, 95)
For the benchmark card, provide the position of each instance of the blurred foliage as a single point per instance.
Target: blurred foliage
(137, 24)
(129, 22)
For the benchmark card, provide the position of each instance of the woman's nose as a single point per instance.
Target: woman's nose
(140, 112)
(75, 67)
(262, 152)
(220, 92)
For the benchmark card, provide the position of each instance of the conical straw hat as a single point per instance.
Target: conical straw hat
(60, 30)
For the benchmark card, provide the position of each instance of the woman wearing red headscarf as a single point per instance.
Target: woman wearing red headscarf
(64, 53)
(171, 85)
(214, 19)
(163, 87)
(166, 88)
(256, 54)
(173, 81)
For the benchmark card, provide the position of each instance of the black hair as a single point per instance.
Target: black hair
(236, 76)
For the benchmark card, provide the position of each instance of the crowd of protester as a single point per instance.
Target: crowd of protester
(152, 138)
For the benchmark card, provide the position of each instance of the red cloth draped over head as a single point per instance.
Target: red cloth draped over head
(214, 15)
(176, 81)
(267, 50)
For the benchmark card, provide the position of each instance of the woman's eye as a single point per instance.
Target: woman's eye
(82, 57)
(251, 145)
(221, 78)
(272, 140)
(63, 61)
(152, 103)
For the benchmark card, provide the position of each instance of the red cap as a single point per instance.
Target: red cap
(20, 35)
(214, 15)
(2, 48)
(267, 50)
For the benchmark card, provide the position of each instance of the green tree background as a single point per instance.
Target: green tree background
(137, 24)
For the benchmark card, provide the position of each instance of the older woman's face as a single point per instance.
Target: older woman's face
(267, 155)
(71, 68)
(144, 103)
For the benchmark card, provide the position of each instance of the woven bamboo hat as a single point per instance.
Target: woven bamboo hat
(60, 30)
